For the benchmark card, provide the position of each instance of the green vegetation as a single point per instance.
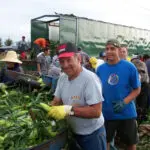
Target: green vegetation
(24, 123)
(8, 42)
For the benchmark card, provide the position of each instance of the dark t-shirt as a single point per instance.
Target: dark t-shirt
(5, 78)
(148, 66)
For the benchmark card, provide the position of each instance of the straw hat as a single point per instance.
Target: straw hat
(11, 56)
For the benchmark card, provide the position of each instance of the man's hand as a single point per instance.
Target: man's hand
(56, 101)
(60, 112)
(118, 106)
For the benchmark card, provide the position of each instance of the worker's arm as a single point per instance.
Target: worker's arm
(92, 111)
(38, 68)
(132, 95)
(135, 84)
(119, 106)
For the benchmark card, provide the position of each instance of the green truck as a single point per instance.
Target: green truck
(90, 35)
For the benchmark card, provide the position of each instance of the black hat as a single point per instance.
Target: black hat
(102, 54)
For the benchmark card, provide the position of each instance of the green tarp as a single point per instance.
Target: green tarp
(39, 29)
(67, 29)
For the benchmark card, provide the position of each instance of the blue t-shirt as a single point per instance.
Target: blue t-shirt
(118, 81)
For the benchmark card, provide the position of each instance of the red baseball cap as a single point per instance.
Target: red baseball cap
(66, 50)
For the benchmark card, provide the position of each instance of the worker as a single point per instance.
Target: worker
(23, 47)
(38, 45)
(43, 62)
(143, 99)
(11, 63)
(123, 53)
(79, 98)
(102, 57)
(121, 85)
(84, 57)
(93, 64)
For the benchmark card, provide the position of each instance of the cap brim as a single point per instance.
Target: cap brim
(63, 55)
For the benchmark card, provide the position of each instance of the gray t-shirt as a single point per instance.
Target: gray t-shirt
(23, 46)
(45, 62)
(84, 90)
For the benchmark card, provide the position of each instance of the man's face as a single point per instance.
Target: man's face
(70, 65)
(123, 53)
(10, 64)
(112, 53)
(47, 52)
(23, 38)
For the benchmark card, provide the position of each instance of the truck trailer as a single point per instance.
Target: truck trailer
(91, 35)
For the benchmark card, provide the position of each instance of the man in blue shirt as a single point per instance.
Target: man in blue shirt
(121, 85)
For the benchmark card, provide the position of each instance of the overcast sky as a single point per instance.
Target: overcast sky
(15, 15)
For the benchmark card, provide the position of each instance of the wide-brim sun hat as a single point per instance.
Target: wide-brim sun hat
(11, 56)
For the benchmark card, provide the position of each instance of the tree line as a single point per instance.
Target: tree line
(7, 42)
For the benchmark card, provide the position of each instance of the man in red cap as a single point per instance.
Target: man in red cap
(80, 92)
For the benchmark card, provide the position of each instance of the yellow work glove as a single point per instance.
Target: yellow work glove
(60, 112)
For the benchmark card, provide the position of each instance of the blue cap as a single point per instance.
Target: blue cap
(102, 54)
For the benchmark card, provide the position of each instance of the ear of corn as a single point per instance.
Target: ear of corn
(45, 107)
